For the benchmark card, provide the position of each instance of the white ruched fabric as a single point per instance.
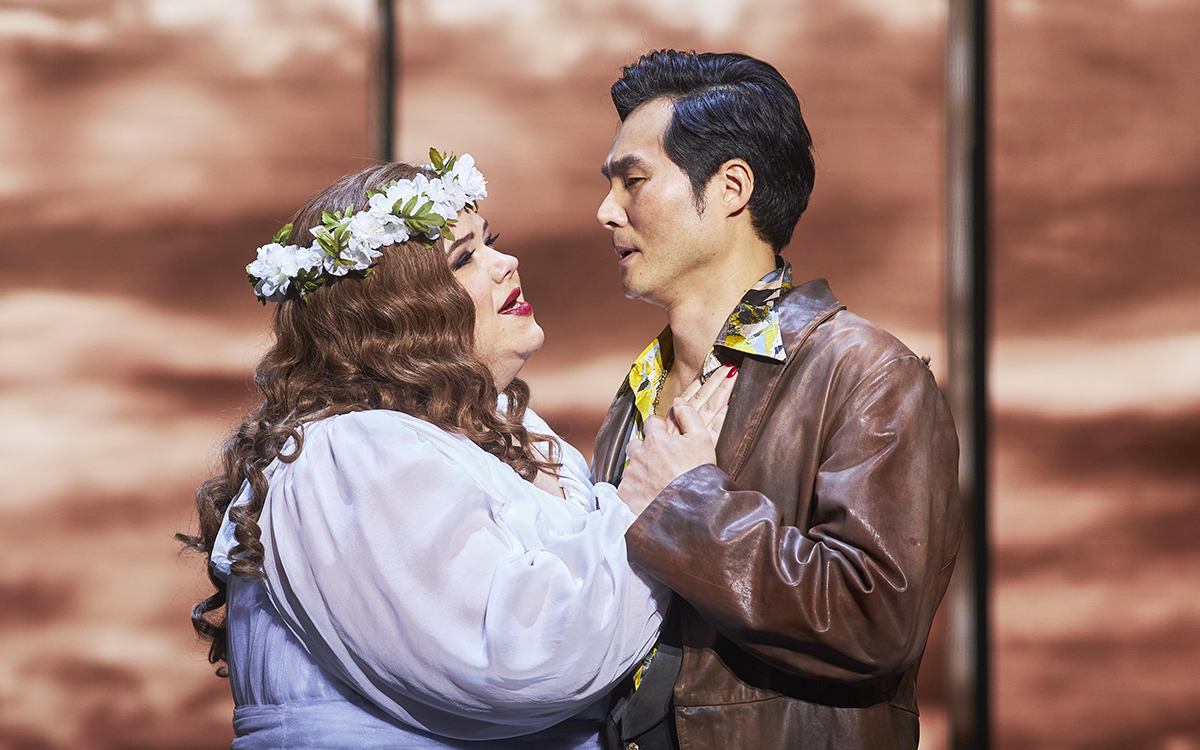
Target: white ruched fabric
(451, 595)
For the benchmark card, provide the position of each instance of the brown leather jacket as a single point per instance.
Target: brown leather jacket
(809, 561)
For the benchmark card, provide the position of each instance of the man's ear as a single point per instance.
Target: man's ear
(732, 186)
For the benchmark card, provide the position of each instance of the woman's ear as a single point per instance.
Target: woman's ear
(732, 186)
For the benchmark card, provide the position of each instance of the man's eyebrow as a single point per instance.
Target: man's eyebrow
(621, 166)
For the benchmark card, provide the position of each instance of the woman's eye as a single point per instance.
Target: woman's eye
(462, 260)
(490, 240)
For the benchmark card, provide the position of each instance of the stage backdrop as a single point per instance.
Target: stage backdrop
(148, 146)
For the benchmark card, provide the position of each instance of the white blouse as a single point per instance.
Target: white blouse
(453, 595)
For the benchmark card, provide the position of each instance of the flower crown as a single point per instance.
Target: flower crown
(347, 242)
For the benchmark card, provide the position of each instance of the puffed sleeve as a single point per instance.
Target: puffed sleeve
(442, 587)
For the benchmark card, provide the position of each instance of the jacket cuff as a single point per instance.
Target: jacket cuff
(651, 529)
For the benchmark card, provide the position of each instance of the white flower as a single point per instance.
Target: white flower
(465, 183)
(310, 258)
(395, 196)
(274, 268)
(445, 203)
(353, 259)
(279, 267)
(372, 229)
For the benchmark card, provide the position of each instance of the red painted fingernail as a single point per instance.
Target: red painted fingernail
(732, 371)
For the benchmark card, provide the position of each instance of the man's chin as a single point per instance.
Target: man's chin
(630, 287)
(637, 291)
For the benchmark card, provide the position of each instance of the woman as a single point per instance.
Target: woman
(407, 555)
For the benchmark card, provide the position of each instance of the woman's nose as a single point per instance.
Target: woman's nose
(610, 214)
(504, 267)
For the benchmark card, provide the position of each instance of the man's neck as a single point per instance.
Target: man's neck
(697, 318)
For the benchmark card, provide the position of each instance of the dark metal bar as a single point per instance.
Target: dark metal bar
(386, 74)
(968, 642)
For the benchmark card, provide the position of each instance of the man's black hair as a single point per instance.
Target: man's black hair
(730, 106)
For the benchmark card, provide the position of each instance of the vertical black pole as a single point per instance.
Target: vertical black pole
(385, 80)
(969, 669)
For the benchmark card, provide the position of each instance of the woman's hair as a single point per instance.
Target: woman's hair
(402, 338)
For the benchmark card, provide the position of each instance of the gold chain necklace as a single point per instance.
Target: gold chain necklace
(658, 387)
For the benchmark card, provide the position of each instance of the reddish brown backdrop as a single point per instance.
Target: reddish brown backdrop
(148, 146)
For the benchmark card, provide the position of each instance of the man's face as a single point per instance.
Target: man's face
(660, 237)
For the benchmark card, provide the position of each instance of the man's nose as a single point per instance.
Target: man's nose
(610, 214)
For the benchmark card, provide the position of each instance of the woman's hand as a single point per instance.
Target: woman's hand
(672, 448)
(710, 400)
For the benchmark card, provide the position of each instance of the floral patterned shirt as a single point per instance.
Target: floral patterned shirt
(752, 328)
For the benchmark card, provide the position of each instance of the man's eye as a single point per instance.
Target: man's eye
(490, 240)
(632, 181)
(462, 260)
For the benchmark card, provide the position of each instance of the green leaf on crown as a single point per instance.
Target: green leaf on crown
(284, 233)
(402, 209)
(333, 219)
(330, 243)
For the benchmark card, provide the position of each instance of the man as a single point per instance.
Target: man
(809, 550)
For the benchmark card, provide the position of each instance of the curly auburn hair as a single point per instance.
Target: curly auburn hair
(402, 339)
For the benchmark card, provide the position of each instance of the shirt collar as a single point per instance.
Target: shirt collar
(752, 328)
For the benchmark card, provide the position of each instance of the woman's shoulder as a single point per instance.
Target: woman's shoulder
(380, 443)
(373, 419)
(393, 440)
(534, 423)
(574, 464)
(381, 427)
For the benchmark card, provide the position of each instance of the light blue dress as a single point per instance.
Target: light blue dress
(420, 594)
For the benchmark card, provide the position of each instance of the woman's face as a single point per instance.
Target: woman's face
(505, 332)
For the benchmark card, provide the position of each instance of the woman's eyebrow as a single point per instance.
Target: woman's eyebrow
(464, 239)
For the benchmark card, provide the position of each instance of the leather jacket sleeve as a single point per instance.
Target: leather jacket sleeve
(849, 592)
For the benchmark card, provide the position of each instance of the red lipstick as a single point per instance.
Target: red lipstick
(515, 306)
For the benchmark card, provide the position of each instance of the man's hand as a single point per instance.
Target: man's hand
(656, 461)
